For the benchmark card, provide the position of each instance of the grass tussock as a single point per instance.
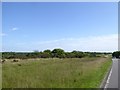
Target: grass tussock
(55, 73)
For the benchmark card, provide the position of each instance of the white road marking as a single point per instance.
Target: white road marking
(108, 78)
(111, 74)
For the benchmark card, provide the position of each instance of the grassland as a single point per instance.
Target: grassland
(55, 73)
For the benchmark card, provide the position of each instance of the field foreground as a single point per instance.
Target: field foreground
(55, 73)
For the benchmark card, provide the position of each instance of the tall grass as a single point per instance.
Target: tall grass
(55, 73)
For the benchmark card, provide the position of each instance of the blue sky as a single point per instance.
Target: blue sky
(70, 26)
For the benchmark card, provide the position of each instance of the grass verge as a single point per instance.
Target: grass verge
(55, 73)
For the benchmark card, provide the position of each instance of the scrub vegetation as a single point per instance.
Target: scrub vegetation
(86, 72)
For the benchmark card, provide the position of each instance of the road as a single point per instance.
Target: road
(113, 79)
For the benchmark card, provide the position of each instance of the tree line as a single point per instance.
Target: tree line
(55, 53)
(116, 54)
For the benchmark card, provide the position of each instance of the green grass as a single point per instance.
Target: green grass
(55, 73)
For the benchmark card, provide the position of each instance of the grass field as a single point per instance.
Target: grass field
(55, 73)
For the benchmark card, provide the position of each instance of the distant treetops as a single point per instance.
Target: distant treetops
(116, 54)
(55, 53)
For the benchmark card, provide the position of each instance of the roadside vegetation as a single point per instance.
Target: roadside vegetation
(116, 54)
(55, 53)
(54, 69)
(55, 73)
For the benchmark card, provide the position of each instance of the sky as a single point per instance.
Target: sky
(82, 26)
(60, 0)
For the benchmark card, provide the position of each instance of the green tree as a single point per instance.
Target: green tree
(47, 54)
(59, 53)
(116, 54)
(77, 54)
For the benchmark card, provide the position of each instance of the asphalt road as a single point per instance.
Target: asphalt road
(113, 80)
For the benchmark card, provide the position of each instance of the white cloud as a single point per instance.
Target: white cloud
(14, 29)
(3, 34)
(93, 43)
(105, 43)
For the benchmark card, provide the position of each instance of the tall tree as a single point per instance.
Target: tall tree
(59, 53)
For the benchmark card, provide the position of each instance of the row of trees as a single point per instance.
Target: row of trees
(56, 53)
(116, 54)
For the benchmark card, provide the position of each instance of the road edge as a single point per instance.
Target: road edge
(104, 81)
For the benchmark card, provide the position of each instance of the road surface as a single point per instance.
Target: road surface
(113, 80)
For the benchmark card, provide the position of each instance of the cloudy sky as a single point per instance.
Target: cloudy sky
(70, 26)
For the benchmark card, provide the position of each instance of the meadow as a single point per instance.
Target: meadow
(87, 72)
